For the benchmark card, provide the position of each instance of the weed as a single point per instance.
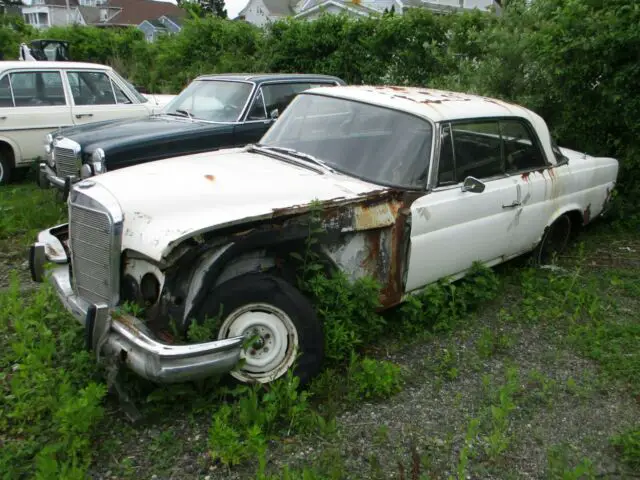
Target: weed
(373, 379)
(560, 466)
(51, 406)
(628, 445)
(240, 431)
(492, 342)
(497, 441)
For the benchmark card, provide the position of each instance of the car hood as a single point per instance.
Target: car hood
(169, 200)
(134, 129)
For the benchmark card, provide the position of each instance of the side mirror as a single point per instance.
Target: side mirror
(473, 185)
(273, 114)
(563, 161)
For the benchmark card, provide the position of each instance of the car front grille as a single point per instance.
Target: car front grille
(92, 237)
(67, 162)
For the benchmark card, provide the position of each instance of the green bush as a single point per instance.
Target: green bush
(50, 405)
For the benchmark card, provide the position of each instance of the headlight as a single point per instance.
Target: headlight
(97, 160)
(48, 143)
(85, 171)
(48, 148)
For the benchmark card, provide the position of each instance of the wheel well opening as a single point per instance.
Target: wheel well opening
(7, 150)
(577, 222)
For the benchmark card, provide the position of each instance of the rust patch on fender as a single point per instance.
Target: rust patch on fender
(211, 178)
(525, 176)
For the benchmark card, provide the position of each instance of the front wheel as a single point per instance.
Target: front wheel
(281, 322)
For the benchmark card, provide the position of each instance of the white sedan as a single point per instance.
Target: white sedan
(413, 185)
(38, 97)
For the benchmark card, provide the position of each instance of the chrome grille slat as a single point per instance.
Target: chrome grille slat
(66, 162)
(91, 235)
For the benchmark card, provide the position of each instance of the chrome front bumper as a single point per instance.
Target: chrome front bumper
(124, 337)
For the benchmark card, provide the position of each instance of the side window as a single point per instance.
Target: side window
(91, 88)
(121, 97)
(257, 111)
(520, 150)
(477, 149)
(278, 96)
(6, 100)
(32, 89)
(446, 165)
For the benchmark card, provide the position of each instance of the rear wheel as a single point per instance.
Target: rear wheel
(554, 240)
(280, 320)
(5, 169)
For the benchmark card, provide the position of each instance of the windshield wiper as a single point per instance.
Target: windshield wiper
(179, 113)
(297, 154)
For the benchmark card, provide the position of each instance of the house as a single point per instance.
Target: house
(259, 12)
(164, 25)
(100, 13)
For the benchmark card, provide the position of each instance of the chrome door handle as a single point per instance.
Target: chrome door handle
(80, 115)
(513, 205)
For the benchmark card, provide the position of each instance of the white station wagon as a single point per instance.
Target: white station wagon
(38, 97)
(413, 185)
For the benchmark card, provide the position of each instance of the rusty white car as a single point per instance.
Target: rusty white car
(414, 185)
(38, 97)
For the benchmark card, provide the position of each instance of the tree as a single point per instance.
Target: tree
(200, 8)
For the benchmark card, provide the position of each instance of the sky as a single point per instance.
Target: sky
(233, 6)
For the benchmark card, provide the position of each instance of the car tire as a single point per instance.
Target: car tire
(555, 240)
(285, 321)
(5, 169)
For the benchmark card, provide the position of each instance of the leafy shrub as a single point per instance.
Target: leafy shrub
(373, 379)
(628, 444)
(50, 406)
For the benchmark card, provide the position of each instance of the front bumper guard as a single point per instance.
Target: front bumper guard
(124, 337)
(47, 176)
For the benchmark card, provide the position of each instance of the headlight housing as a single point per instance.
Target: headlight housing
(48, 148)
(97, 162)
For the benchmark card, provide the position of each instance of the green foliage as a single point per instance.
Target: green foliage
(628, 444)
(50, 405)
(240, 431)
(13, 31)
(561, 467)
(373, 379)
(441, 305)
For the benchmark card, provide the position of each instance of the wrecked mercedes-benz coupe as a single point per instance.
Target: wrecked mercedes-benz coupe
(410, 185)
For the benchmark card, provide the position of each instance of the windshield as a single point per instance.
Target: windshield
(212, 100)
(141, 98)
(374, 143)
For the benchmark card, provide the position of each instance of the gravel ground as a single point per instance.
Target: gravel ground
(426, 421)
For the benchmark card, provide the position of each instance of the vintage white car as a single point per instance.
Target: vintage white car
(413, 184)
(38, 97)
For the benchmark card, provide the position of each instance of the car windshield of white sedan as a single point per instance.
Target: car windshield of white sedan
(211, 100)
(374, 143)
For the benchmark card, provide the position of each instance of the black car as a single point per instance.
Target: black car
(213, 112)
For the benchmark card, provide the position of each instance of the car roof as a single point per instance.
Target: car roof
(43, 65)
(265, 77)
(435, 105)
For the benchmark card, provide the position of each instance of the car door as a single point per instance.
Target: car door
(34, 103)
(452, 228)
(269, 102)
(526, 163)
(96, 97)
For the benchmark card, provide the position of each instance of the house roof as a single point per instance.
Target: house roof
(275, 7)
(346, 5)
(134, 12)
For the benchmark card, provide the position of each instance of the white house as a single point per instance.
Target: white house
(260, 12)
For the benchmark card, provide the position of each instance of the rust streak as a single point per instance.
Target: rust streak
(211, 178)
